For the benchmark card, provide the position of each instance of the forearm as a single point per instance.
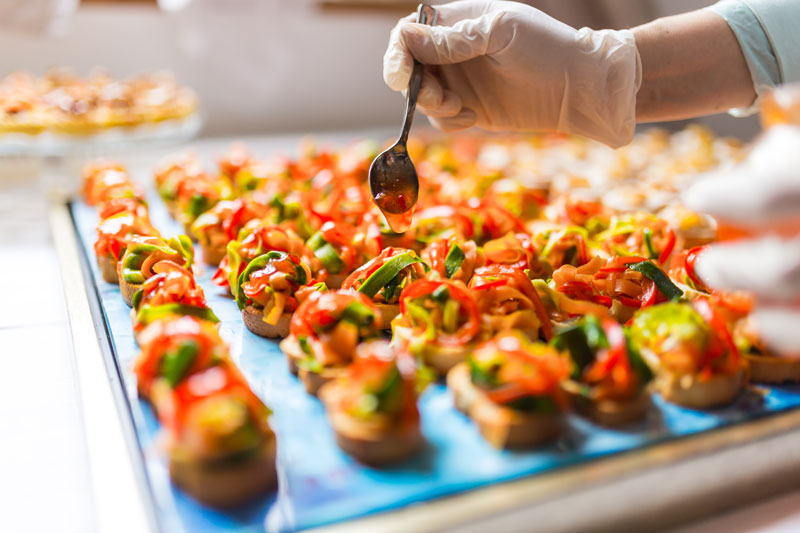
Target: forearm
(692, 65)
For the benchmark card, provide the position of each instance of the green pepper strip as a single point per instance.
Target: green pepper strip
(256, 264)
(137, 298)
(662, 281)
(130, 267)
(648, 242)
(453, 260)
(573, 338)
(387, 272)
(176, 363)
(358, 314)
(234, 260)
(183, 245)
(637, 362)
(620, 228)
(148, 314)
(329, 258)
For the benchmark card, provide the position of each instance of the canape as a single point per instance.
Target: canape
(507, 299)
(142, 253)
(372, 406)
(113, 234)
(325, 331)
(439, 323)
(171, 292)
(692, 354)
(221, 447)
(174, 349)
(511, 388)
(334, 246)
(609, 379)
(255, 239)
(616, 287)
(107, 180)
(765, 366)
(220, 225)
(383, 279)
(269, 291)
(641, 235)
(516, 250)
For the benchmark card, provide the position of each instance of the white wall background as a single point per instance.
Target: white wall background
(271, 66)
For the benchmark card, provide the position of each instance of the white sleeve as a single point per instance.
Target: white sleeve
(765, 48)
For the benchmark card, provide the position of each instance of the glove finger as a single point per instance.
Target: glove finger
(397, 60)
(443, 45)
(449, 107)
(769, 268)
(431, 93)
(759, 193)
(777, 329)
(465, 119)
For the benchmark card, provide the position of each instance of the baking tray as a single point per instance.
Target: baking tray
(592, 478)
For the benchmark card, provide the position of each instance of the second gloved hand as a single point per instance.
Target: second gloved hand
(762, 195)
(508, 66)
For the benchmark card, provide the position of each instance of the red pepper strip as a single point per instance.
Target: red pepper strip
(630, 302)
(669, 246)
(613, 269)
(719, 326)
(650, 293)
(616, 358)
(689, 264)
(602, 299)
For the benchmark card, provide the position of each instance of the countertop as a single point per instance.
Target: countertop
(45, 485)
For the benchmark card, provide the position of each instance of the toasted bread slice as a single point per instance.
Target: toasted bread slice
(608, 412)
(227, 484)
(369, 443)
(108, 268)
(294, 354)
(254, 321)
(500, 426)
(128, 290)
(691, 391)
(771, 369)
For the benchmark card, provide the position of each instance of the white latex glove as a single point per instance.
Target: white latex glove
(762, 193)
(508, 66)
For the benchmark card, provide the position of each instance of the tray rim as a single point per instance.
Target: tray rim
(117, 474)
(121, 486)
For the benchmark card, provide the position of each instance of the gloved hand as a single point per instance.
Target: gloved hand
(761, 194)
(508, 66)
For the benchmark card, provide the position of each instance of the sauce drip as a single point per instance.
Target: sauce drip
(397, 208)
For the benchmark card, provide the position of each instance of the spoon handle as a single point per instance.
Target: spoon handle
(425, 15)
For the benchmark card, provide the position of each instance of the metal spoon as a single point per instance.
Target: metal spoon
(393, 179)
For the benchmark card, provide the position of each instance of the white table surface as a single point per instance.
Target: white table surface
(44, 481)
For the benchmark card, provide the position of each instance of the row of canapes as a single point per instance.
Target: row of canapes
(221, 448)
(456, 299)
